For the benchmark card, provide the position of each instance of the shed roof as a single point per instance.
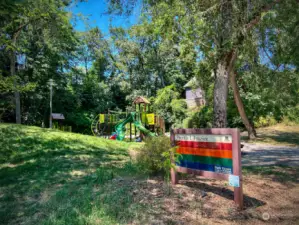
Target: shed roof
(58, 116)
(193, 83)
(140, 100)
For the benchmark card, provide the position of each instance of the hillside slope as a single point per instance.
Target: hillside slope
(22, 143)
(38, 164)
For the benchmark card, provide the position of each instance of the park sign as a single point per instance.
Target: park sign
(213, 153)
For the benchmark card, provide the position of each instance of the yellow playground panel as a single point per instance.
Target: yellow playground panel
(105, 123)
(150, 117)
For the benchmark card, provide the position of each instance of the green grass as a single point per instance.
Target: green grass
(54, 177)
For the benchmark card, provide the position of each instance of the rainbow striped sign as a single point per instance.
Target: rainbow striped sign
(213, 153)
(205, 152)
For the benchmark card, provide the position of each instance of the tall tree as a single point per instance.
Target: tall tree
(218, 29)
(27, 16)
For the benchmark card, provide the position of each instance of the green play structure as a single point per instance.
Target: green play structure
(120, 128)
(129, 125)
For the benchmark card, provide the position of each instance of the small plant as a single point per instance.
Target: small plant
(158, 156)
(155, 156)
(170, 158)
(150, 158)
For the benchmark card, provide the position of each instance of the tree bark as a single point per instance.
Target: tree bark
(223, 64)
(226, 62)
(12, 57)
(16, 92)
(224, 68)
(240, 106)
(220, 95)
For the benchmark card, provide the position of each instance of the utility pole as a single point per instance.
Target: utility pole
(51, 92)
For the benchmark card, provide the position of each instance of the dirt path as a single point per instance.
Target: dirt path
(265, 155)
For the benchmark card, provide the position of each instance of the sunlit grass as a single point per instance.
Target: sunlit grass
(279, 134)
(54, 177)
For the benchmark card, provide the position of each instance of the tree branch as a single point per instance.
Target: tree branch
(257, 16)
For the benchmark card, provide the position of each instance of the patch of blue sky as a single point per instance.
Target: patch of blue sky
(95, 14)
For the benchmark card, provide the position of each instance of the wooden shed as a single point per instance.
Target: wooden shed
(194, 94)
(57, 116)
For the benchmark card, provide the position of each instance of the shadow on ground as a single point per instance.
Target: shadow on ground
(40, 165)
(223, 192)
(56, 178)
(278, 173)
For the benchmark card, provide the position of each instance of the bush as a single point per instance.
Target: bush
(265, 121)
(154, 156)
(291, 115)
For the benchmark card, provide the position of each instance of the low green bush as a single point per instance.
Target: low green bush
(154, 156)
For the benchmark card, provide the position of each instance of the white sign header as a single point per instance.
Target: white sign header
(203, 138)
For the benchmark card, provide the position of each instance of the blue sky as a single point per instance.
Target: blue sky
(95, 11)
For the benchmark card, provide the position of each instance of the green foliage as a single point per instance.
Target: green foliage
(168, 105)
(7, 85)
(179, 110)
(154, 157)
(265, 121)
(172, 43)
(199, 119)
(291, 115)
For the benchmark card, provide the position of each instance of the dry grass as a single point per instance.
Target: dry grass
(279, 134)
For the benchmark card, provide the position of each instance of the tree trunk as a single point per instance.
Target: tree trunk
(224, 67)
(224, 64)
(162, 79)
(220, 95)
(16, 92)
(240, 106)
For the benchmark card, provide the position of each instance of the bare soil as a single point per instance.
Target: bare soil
(203, 201)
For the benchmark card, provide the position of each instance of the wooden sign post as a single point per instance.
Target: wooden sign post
(213, 153)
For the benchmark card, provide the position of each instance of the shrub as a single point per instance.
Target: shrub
(291, 115)
(154, 156)
(265, 121)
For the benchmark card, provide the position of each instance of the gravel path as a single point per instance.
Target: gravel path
(263, 155)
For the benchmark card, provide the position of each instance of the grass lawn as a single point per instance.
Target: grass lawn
(54, 177)
(278, 134)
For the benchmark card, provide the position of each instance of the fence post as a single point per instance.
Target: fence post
(237, 168)
(174, 175)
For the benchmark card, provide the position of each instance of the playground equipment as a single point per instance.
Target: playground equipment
(121, 129)
(136, 124)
